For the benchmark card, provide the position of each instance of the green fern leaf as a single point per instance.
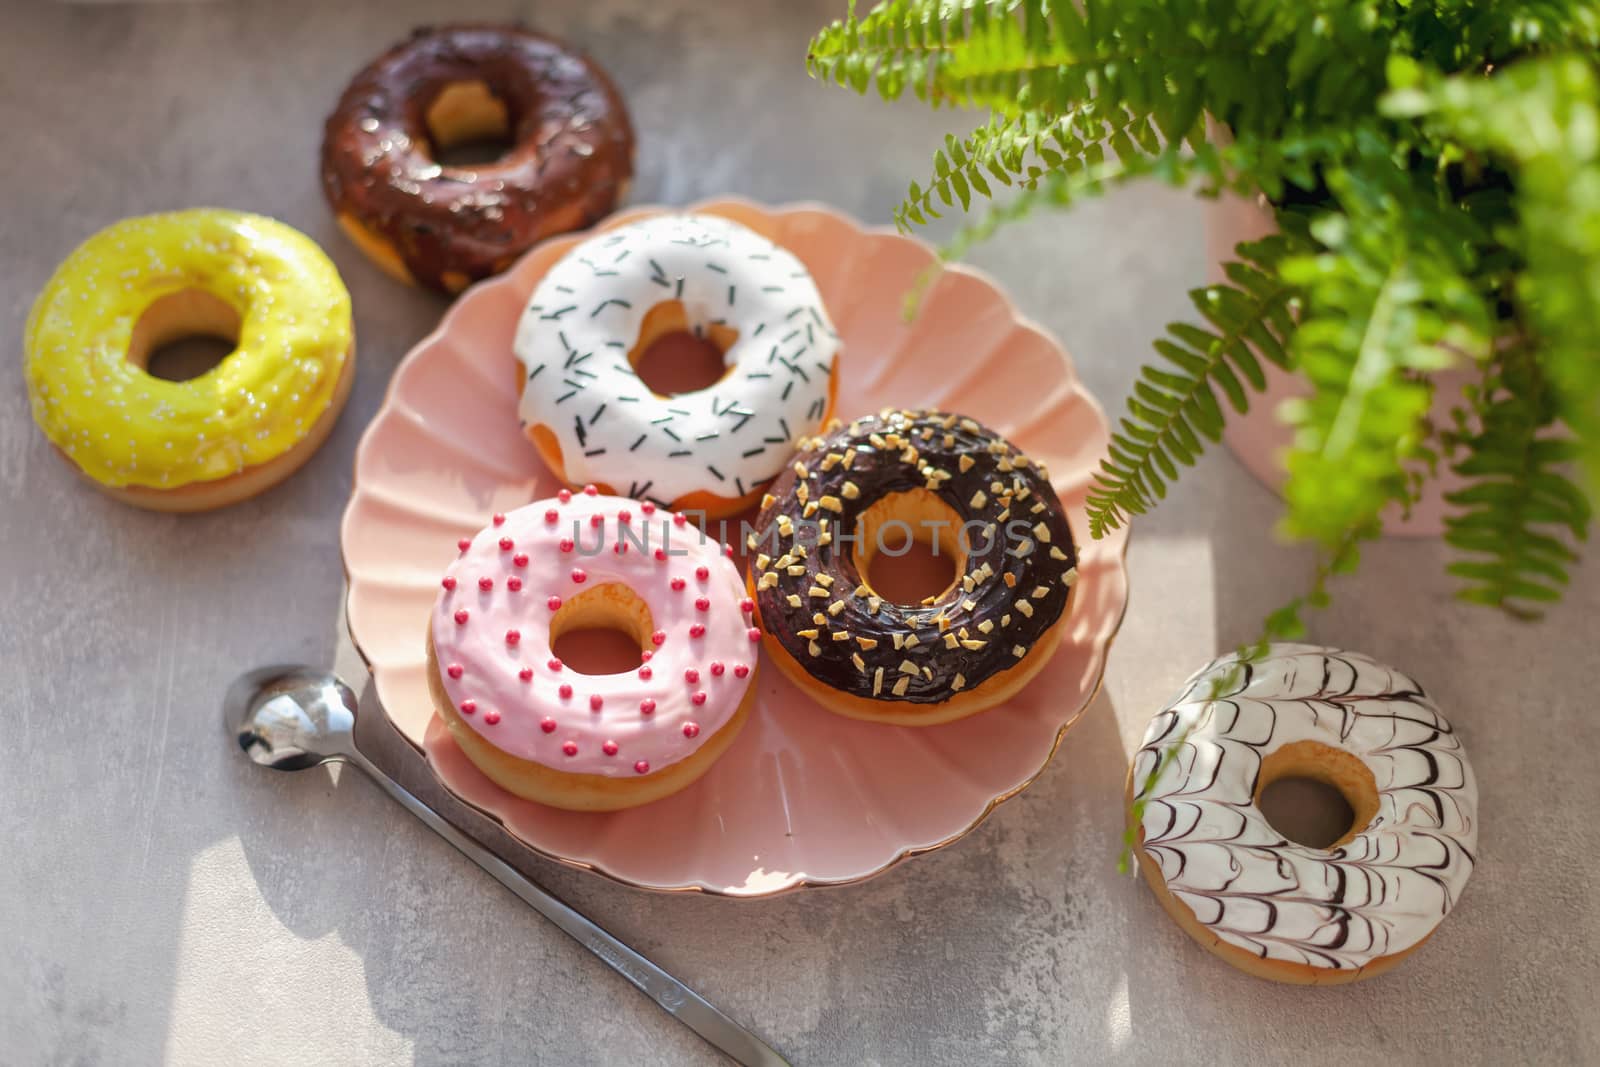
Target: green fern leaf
(1171, 410)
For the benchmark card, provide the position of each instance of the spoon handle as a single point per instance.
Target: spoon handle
(675, 998)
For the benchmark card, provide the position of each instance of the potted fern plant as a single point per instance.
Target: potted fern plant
(1432, 172)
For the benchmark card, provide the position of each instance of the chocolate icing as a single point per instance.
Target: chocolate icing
(573, 150)
(1015, 585)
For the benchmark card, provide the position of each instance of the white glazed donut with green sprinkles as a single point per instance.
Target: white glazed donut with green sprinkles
(726, 440)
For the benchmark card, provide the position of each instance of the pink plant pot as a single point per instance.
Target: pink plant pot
(1259, 438)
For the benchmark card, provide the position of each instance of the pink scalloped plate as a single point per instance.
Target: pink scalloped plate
(803, 797)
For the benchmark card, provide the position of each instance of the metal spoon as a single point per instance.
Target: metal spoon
(291, 718)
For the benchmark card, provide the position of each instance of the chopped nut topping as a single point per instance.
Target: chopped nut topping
(1010, 580)
(817, 591)
(979, 499)
(1069, 576)
(868, 643)
(1042, 532)
(794, 600)
(836, 607)
(901, 686)
(1018, 651)
(958, 683)
(1025, 607)
(1056, 553)
(877, 681)
(762, 560)
(825, 580)
(767, 500)
(832, 503)
(800, 470)
(907, 667)
(986, 626)
(861, 664)
(850, 490)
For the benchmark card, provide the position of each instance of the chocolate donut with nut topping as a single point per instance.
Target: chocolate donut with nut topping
(945, 479)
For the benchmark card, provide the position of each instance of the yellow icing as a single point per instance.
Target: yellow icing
(123, 426)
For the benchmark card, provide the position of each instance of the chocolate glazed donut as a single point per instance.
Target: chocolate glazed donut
(445, 226)
(957, 652)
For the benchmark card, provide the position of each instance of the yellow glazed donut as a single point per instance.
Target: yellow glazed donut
(229, 433)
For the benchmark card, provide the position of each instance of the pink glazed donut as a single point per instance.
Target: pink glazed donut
(592, 742)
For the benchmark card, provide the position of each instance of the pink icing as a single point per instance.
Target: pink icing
(614, 725)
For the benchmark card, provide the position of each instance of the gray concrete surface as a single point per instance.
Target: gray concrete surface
(161, 900)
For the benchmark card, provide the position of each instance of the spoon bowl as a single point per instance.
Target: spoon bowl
(291, 717)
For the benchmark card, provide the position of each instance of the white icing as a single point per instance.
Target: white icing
(1382, 892)
(584, 317)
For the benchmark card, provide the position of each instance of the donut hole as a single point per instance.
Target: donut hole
(673, 357)
(601, 630)
(183, 335)
(468, 125)
(908, 550)
(1316, 795)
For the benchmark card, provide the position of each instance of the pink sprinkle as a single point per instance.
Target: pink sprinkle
(727, 550)
(596, 701)
(702, 573)
(691, 729)
(620, 547)
(448, 582)
(647, 706)
(461, 616)
(514, 584)
(644, 655)
(554, 664)
(468, 707)
(679, 519)
(716, 669)
(754, 633)
(691, 676)
(645, 673)
(570, 747)
(648, 507)
(526, 674)
(642, 767)
(677, 585)
(597, 520)
(624, 515)
(566, 544)
(486, 583)
(552, 516)
(698, 698)
(747, 604)
(661, 555)
(464, 544)
(590, 490)
(579, 576)
(506, 544)
(499, 519)
(702, 603)
(658, 637)
(566, 692)
(548, 726)
(741, 670)
(491, 717)
(455, 670)
(609, 748)
(520, 559)
(565, 496)
(554, 603)
(513, 637)
(697, 629)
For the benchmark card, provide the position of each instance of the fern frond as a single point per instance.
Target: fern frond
(1387, 303)
(898, 44)
(1021, 150)
(1174, 409)
(1520, 514)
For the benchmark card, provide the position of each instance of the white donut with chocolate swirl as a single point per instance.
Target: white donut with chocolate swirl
(1268, 905)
